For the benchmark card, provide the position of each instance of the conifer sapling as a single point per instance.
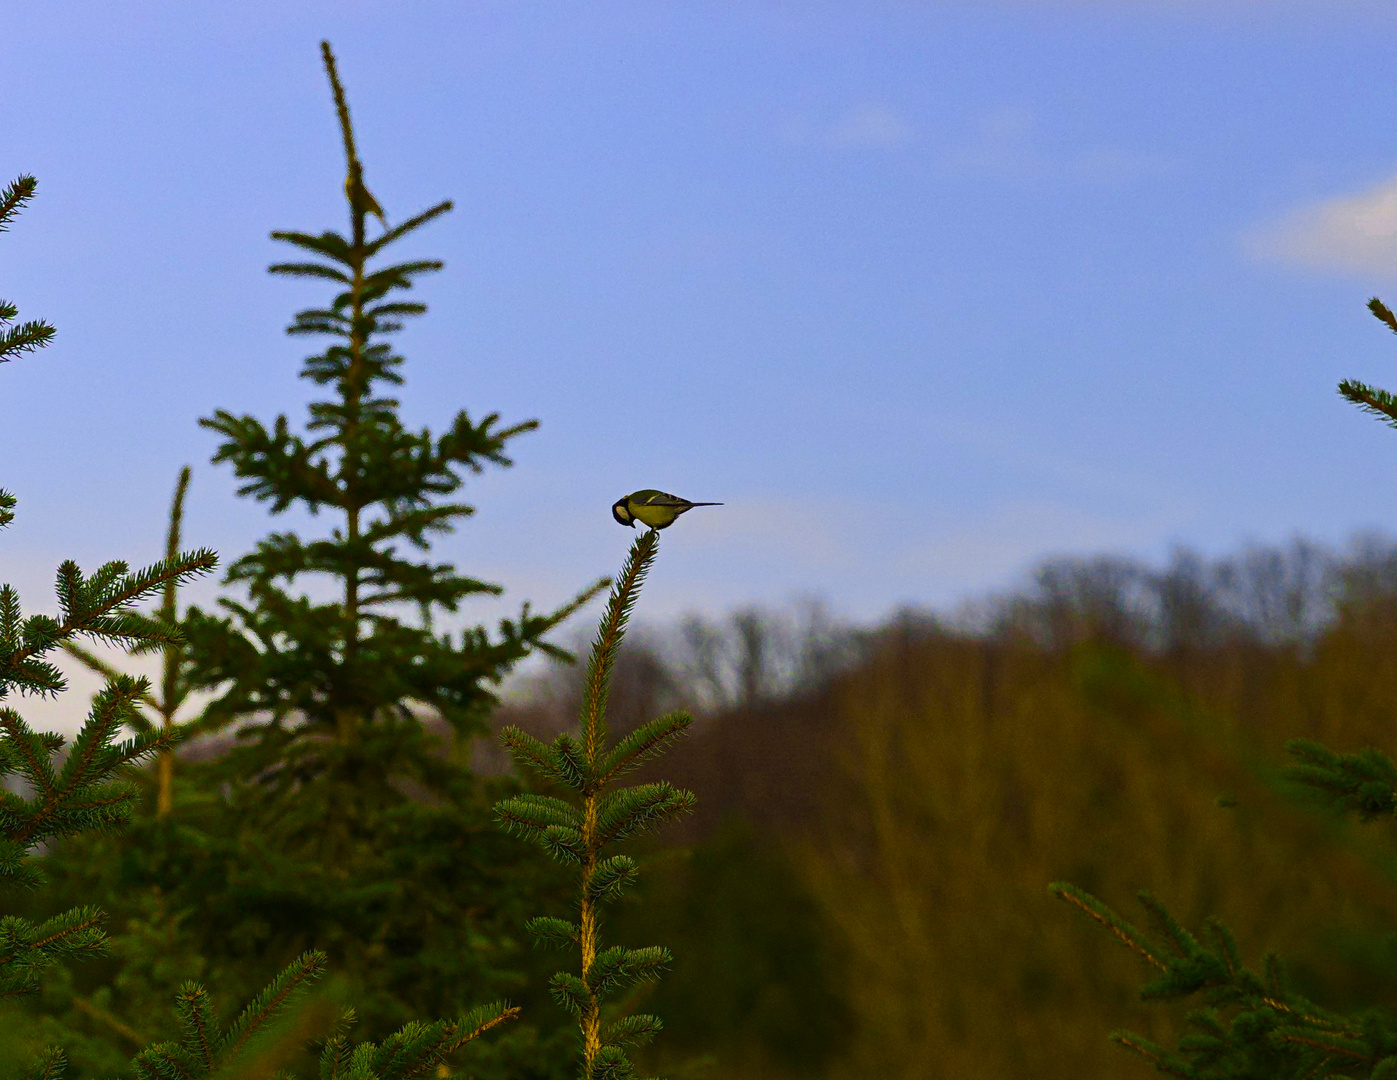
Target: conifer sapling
(1254, 1024)
(335, 687)
(578, 831)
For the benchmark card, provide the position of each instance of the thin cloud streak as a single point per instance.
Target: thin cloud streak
(1349, 233)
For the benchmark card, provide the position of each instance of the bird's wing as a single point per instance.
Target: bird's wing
(664, 498)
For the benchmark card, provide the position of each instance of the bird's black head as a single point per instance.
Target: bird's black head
(622, 513)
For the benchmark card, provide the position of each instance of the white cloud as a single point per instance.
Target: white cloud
(1005, 143)
(1350, 233)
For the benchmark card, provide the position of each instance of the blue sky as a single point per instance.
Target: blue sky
(923, 292)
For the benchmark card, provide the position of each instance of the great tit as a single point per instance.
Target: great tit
(654, 508)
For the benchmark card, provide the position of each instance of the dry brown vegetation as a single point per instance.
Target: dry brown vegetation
(936, 779)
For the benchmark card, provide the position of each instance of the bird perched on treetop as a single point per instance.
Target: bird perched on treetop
(657, 509)
(361, 198)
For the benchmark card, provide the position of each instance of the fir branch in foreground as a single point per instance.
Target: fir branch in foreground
(282, 1022)
(578, 832)
(1371, 399)
(99, 606)
(1252, 1024)
(44, 796)
(1365, 781)
(86, 792)
(175, 683)
(17, 338)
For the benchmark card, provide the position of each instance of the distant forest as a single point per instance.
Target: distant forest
(899, 795)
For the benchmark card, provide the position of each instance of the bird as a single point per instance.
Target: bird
(658, 509)
(361, 198)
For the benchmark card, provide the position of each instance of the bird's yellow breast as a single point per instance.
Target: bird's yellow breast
(657, 517)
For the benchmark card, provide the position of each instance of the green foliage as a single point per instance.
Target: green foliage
(1370, 399)
(46, 795)
(336, 688)
(1365, 781)
(418, 1049)
(576, 832)
(205, 1051)
(426, 924)
(176, 665)
(335, 819)
(1254, 1025)
(272, 1033)
(17, 338)
(294, 838)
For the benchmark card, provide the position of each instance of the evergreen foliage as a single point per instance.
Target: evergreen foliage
(44, 794)
(1371, 399)
(1255, 1025)
(423, 923)
(204, 1050)
(335, 689)
(17, 338)
(175, 682)
(269, 1034)
(578, 830)
(337, 822)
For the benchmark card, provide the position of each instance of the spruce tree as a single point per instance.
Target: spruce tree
(1253, 1024)
(175, 685)
(335, 689)
(87, 790)
(599, 815)
(337, 821)
(46, 795)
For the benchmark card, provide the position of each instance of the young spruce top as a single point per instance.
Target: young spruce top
(337, 684)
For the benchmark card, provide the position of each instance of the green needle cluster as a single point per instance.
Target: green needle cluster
(1255, 1025)
(595, 816)
(275, 1026)
(18, 337)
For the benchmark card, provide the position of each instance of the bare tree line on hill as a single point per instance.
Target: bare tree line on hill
(1268, 595)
